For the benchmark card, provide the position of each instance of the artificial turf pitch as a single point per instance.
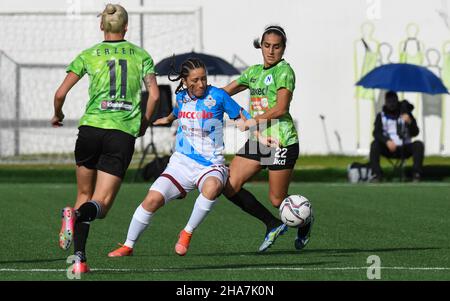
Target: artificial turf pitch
(405, 225)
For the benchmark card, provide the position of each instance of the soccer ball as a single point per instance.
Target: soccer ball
(295, 210)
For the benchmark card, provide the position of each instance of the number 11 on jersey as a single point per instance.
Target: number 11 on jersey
(112, 78)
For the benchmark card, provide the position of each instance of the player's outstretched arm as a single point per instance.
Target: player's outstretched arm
(234, 88)
(60, 96)
(165, 120)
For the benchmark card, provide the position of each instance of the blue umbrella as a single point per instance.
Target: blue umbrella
(214, 65)
(403, 78)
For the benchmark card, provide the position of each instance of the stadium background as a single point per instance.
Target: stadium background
(403, 223)
(321, 36)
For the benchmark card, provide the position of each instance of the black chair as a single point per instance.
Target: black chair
(163, 108)
(398, 166)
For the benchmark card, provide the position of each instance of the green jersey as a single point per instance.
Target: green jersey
(115, 70)
(264, 84)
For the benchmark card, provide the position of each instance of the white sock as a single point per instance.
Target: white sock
(141, 219)
(201, 209)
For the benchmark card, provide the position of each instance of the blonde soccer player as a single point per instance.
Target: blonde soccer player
(109, 127)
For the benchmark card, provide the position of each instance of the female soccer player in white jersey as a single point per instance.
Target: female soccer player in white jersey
(198, 160)
(109, 127)
(271, 86)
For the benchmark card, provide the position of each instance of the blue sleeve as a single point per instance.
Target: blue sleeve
(232, 108)
(176, 106)
(175, 110)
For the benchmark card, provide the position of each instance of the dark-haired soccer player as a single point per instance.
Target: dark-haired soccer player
(271, 86)
(198, 161)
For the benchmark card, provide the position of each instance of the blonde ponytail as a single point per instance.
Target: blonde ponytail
(114, 18)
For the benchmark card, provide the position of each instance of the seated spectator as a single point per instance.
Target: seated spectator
(394, 128)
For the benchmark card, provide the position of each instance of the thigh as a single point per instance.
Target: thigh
(211, 180)
(182, 171)
(279, 181)
(88, 146)
(284, 157)
(250, 150)
(177, 179)
(117, 151)
(408, 150)
(218, 171)
(240, 171)
(161, 192)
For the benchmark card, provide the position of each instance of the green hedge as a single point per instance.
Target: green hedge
(42, 174)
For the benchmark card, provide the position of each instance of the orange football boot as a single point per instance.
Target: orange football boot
(122, 251)
(182, 245)
(80, 268)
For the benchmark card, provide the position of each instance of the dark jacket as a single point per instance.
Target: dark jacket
(412, 129)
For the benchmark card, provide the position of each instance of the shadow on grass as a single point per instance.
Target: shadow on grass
(317, 251)
(33, 260)
(262, 254)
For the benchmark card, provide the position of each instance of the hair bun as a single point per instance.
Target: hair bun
(110, 9)
(256, 43)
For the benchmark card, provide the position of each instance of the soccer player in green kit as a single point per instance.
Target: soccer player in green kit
(109, 126)
(275, 140)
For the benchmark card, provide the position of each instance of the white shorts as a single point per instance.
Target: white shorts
(183, 174)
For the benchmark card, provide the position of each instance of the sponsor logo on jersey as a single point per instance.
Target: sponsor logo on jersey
(195, 115)
(191, 131)
(116, 105)
(259, 104)
(259, 91)
(210, 102)
(268, 80)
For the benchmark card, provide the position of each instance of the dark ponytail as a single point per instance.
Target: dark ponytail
(186, 67)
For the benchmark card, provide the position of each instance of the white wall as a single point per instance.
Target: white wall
(320, 49)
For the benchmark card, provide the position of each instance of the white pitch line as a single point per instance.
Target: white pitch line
(232, 269)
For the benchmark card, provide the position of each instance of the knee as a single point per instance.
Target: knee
(233, 186)
(419, 146)
(212, 188)
(153, 201)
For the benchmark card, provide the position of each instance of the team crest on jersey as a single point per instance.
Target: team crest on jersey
(187, 99)
(210, 102)
(268, 80)
(264, 102)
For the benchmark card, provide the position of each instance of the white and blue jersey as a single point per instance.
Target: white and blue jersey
(200, 127)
